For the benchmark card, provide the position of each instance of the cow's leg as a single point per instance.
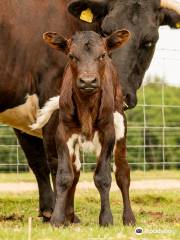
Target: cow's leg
(34, 152)
(102, 175)
(122, 174)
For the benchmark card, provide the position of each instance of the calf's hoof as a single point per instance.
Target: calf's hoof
(72, 218)
(105, 219)
(129, 219)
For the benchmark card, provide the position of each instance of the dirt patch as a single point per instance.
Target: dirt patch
(12, 217)
(85, 185)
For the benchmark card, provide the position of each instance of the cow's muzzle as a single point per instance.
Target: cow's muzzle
(130, 101)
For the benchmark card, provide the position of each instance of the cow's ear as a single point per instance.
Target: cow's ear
(56, 41)
(88, 10)
(117, 39)
(170, 18)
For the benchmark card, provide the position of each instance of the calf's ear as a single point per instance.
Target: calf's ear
(56, 41)
(117, 39)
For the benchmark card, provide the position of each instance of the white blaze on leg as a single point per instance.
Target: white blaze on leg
(77, 162)
(97, 144)
(119, 125)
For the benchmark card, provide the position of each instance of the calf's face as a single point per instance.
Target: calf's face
(88, 55)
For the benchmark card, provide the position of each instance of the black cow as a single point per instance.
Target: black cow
(143, 19)
(30, 72)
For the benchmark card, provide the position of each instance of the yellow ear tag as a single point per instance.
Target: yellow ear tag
(87, 15)
(178, 25)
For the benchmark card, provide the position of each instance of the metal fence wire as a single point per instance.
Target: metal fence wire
(153, 140)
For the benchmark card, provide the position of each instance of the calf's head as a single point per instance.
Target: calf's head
(88, 55)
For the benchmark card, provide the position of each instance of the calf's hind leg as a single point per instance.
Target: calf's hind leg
(122, 175)
(70, 213)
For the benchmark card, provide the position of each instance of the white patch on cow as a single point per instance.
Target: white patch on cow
(119, 125)
(77, 162)
(22, 116)
(45, 113)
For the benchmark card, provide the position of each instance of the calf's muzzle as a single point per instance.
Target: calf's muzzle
(88, 83)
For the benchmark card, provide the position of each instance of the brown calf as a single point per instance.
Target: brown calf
(91, 109)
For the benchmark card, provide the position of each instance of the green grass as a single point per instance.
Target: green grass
(154, 210)
(135, 175)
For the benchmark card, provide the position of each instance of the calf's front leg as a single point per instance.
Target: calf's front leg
(102, 175)
(64, 180)
(122, 174)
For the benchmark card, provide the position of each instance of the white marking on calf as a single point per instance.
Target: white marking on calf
(45, 113)
(97, 144)
(91, 146)
(77, 162)
(75, 143)
(114, 167)
(22, 116)
(73, 146)
(119, 125)
(71, 143)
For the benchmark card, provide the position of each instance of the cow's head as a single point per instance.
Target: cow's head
(142, 18)
(88, 55)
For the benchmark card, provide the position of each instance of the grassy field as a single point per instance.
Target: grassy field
(135, 175)
(155, 211)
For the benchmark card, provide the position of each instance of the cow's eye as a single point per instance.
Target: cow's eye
(73, 58)
(102, 57)
(148, 44)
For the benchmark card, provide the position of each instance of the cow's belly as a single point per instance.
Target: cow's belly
(22, 116)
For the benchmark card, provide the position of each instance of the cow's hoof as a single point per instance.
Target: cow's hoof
(76, 219)
(46, 215)
(57, 221)
(105, 219)
(129, 219)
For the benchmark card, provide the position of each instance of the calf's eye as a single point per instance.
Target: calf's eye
(73, 58)
(102, 57)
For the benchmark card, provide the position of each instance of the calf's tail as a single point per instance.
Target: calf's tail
(45, 113)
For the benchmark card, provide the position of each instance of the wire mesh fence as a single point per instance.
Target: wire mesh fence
(153, 139)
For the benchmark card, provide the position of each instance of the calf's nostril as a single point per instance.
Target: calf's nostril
(81, 81)
(94, 81)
